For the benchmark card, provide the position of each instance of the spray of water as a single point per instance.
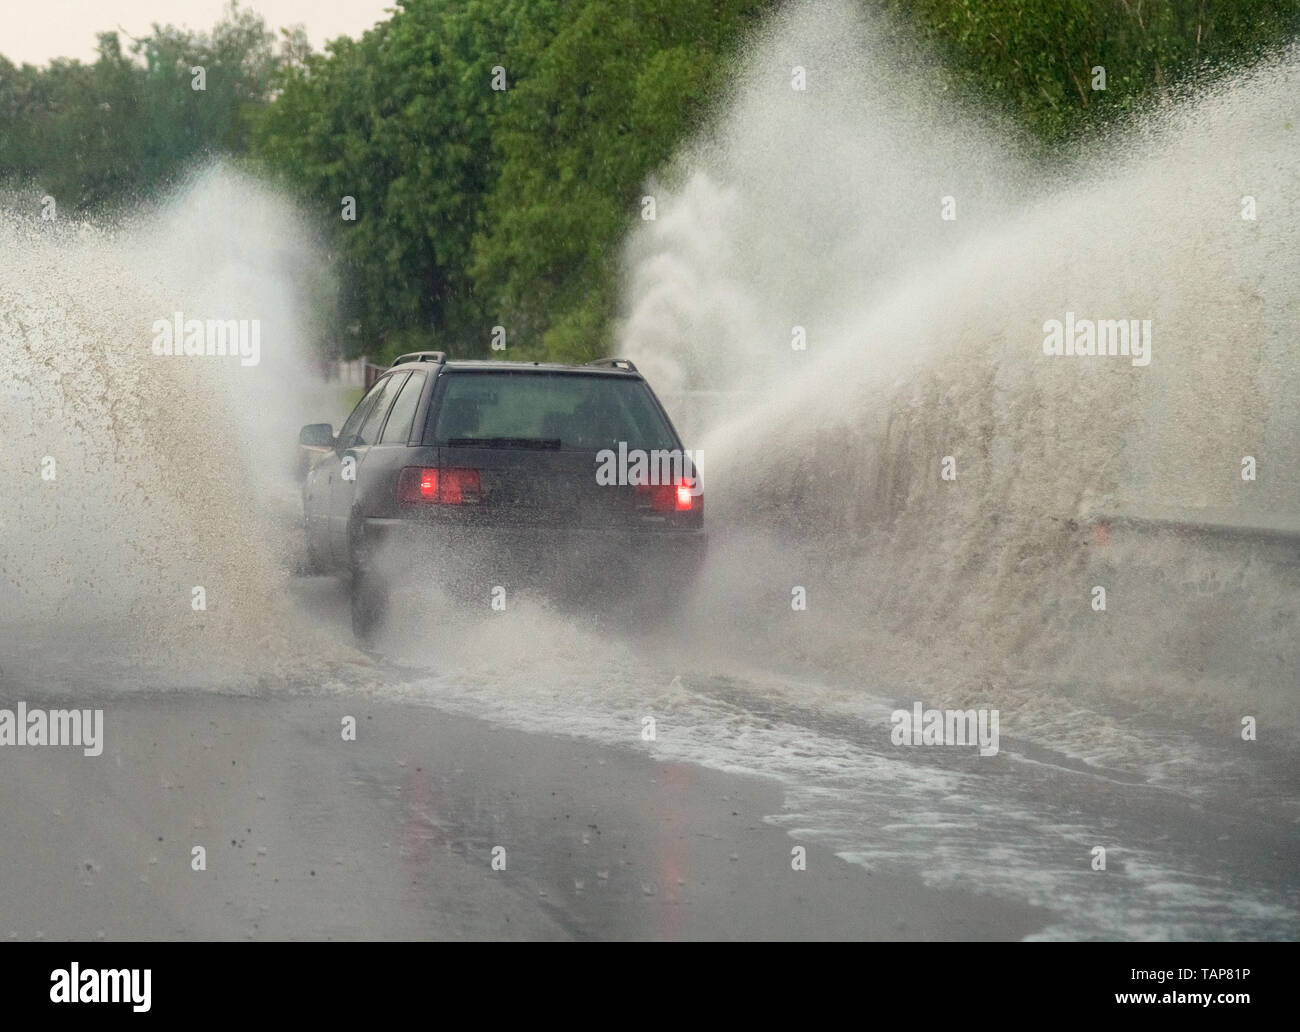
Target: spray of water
(133, 479)
(823, 210)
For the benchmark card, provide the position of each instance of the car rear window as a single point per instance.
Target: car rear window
(568, 411)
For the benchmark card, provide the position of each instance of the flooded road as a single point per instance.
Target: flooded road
(536, 719)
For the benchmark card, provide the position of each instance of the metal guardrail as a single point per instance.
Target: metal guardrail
(1269, 541)
(1203, 528)
(1219, 522)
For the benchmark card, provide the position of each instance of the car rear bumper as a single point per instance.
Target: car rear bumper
(594, 563)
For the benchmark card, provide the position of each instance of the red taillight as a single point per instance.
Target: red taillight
(678, 497)
(428, 483)
(439, 486)
(459, 486)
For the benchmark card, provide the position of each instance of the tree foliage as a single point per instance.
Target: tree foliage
(1035, 58)
(480, 207)
(96, 136)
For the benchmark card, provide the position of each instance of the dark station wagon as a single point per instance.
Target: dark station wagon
(487, 475)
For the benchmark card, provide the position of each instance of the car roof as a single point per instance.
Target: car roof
(489, 365)
(600, 367)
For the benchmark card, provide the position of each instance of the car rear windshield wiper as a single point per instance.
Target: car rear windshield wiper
(538, 443)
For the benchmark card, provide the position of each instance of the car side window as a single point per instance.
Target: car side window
(353, 423)
(369, 433)
(398, 428)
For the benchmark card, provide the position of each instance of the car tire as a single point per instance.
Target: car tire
(369, 596)
(312, 564)
(368, 590)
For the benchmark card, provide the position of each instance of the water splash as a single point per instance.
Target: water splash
(132, 479)
(823, 210)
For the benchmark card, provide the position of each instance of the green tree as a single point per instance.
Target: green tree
(402, 121)
(1034, 58)
(613, 93)
(104, 134)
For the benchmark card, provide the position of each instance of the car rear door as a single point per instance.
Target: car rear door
(350, 452)
(317, 493)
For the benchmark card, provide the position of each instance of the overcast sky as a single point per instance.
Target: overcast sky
(36, 30)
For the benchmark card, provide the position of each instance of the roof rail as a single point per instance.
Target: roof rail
(421, 356)
(614, 363)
